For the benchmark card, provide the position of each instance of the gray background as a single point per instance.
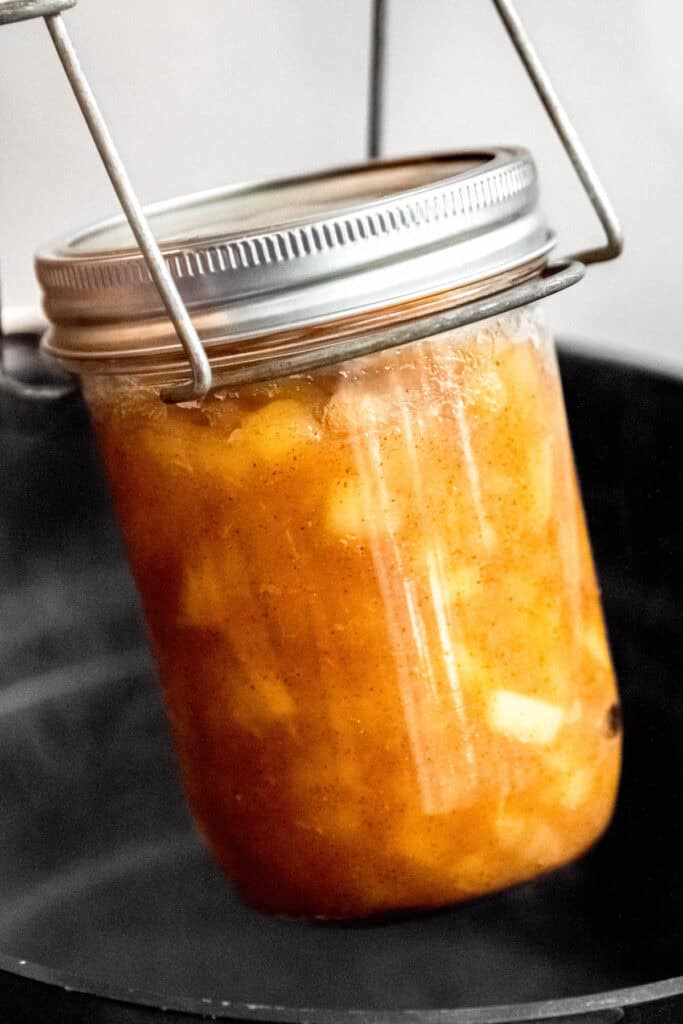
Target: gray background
(207, 92)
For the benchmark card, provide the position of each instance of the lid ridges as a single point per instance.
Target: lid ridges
(438, 204)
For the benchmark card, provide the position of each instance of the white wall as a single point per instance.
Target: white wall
(204, 92)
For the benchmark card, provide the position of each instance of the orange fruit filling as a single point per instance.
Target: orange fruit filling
(372, 600)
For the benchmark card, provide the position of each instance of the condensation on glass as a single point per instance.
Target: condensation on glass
(371, 596)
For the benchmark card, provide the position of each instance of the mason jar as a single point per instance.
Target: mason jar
(362, 557)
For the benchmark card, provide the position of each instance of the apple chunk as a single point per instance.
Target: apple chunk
(524, 718)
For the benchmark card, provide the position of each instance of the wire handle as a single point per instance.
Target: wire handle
(161, 275)
(50, 10)
(202, 378)
(561, 122)
(569, 138)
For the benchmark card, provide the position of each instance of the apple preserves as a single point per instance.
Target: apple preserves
(373, 605)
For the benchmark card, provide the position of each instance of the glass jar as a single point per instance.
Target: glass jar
(368, 583)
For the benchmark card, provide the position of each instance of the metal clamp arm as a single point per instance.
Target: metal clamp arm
(177, 311)
(22, 10)
(549, 98)
(568, 136)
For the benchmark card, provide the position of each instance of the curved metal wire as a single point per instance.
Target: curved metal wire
(377, 78)
(553, 278)
(202, 378)
(176, 308)
(540, 79)
(569, 138)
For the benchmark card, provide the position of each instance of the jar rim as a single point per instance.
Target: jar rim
(256, 261)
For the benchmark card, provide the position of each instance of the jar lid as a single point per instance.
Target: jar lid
(260, 259)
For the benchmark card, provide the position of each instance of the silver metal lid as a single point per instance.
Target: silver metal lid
(262, 259)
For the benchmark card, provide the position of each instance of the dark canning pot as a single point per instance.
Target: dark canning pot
(112, 910)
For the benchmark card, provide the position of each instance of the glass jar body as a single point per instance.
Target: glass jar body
(373, 605)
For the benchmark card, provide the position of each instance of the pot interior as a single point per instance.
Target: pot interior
(102, 876)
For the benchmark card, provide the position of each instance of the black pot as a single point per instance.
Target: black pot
(111, 910)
